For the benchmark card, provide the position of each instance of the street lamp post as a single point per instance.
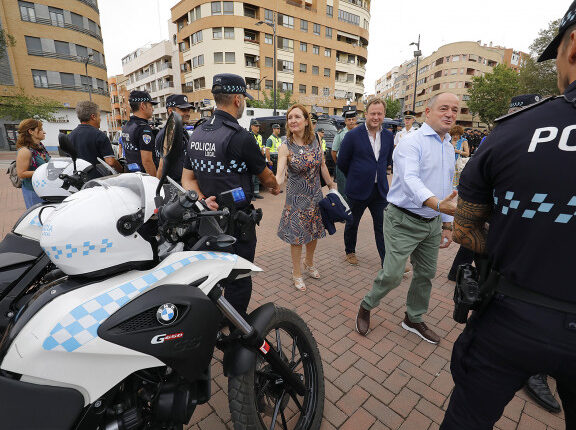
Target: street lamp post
(273, 25)
(259, 83)
(417, 54)
(86, 60)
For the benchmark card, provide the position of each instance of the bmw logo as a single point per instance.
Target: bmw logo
(167, 313)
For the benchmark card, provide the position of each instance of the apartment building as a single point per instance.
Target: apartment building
(154, 68)
(119, 96)
(321, 48)
(58, 55)
(450, 68)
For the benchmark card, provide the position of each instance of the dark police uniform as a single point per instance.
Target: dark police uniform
(137, 134)
(223, 156)
(530, 325)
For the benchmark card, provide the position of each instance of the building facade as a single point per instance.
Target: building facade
(119, 95)
(58, 55)
(154, 68)
(321, 48)
(450, 68)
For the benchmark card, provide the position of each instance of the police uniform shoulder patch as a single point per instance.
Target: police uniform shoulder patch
(527, 108)
(146, 138)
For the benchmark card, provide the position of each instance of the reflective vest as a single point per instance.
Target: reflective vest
(258, 138)
(276, 142)
(207, 149)
(323, 145)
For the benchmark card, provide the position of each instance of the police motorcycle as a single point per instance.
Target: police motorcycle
(124, 339)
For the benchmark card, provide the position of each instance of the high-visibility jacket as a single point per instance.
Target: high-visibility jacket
(276, 142)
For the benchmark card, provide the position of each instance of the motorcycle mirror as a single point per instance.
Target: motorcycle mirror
(66, 146)
(224, 241)
(172, 146)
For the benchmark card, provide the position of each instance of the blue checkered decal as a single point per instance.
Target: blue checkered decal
(539, 204)
(35, 221)
(218, 167)
(39, 183)
(84, 249)
(80, 325)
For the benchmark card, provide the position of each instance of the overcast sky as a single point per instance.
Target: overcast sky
(130, 24)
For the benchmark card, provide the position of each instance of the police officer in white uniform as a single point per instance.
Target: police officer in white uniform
(409, 118)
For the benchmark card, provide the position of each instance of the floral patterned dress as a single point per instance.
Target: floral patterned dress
(301, 221)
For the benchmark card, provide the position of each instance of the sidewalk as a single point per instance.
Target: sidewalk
(388, 380)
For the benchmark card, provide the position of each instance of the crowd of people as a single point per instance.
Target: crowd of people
(447, 184)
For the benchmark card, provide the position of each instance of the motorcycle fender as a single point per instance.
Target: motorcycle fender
(238, 359)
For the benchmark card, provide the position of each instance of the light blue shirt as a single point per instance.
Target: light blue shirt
(423, 167)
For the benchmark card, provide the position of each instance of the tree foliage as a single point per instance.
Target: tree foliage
(392, 107)
(6, 40)
(540, 78)
(283, 102)
(19, 106)
(490, 94)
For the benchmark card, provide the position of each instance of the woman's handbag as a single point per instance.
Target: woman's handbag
(460, 163)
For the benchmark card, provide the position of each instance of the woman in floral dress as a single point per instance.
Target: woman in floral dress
(301, 224)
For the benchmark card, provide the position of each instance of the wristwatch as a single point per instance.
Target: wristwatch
(447, 227)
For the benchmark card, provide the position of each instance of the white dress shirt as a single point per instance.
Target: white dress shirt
(423, 167)
(402, 134)
(375, 146)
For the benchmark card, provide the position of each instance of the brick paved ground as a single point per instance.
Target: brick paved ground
(388, 380)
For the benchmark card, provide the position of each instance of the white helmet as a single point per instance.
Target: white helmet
(46, 179)
(98, 230)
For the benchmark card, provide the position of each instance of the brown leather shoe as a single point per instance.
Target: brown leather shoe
(351, 258)
(421, 329)
(363, 321)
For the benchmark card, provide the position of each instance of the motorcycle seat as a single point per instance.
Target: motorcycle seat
(16, 250)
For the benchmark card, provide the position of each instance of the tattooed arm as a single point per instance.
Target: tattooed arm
(469, 225)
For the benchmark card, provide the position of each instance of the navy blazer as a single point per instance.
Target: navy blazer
(357, 161)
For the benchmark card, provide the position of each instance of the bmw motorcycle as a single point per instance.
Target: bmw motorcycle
(121, 333)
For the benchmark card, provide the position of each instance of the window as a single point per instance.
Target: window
(315, 70)
(86, 81)
(77, 20)
(63, 48)
(217, 33)
(40, 78)
(286, 66)
(228, 32)
(250, 36)
(456, 58)
(326, 91)
(269, 84)
(93, 27)
(33, 44)
(249, 11)
(327, 52)
(228, 7)
(250, 60)
(81, 51)
(67, 80)
(216, 8)
(315, 49)
(330, 10)
(199, 83)
(285, 44)
(56, 16)
(27, 12)
(303, 68)
(303, 46)
(195, 14)
(315, 90)
(286, 86)
(348, 17)
(329, 32)
(218, 57)
(302, 89)
(268, 16)
(198, 61)
(304, 25)
(268, 62)
(350, 77)
(268, 39)
(326, 72)
(316, 29)
(286, 20)
(196, 37)
(229, 57)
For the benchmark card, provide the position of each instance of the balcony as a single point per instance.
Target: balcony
(65, 57)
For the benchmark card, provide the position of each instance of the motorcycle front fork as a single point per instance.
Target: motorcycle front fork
(257, 342)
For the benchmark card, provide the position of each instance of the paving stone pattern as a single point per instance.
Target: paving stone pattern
(388, 380)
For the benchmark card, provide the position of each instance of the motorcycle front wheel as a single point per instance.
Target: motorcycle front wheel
(260, 399)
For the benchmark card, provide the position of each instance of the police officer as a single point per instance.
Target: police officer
(350, 120)
(255, 131)
(137, 134)
(174, 103)
(529, 327)
(221, 155)
(272, 144)
(320, 132)
(409, 118)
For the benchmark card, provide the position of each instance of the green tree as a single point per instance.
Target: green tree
(19, 106)
(283, 102)
(392, 107)
(540, 78)
(490, 94)
(5, 41)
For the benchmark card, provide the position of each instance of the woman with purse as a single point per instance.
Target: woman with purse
(31, 154)
(301, 157)
(461, 150)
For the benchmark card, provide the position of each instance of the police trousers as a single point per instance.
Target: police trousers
(238, 292)
(499, 350)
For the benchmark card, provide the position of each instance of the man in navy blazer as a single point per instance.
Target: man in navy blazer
(364, 157)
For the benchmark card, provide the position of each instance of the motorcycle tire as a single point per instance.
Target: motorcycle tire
(255, 402)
